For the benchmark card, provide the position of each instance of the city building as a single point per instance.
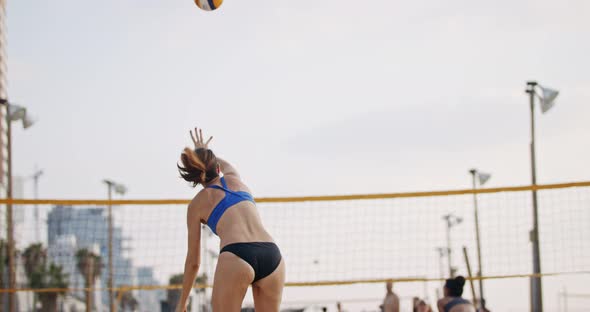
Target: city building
(70, 229)
(148, 299)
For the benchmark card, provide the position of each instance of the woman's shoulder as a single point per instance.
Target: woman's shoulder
(199, 201)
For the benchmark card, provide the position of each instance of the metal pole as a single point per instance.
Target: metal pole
(110, 247)
(441, 254)
(9, 220)
(479, 271)
(448, 218)
(469, 273)
(36, 209)
(536, 285)
(440, 267)
(36, 215)
(9, 217)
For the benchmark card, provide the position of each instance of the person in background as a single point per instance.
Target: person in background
(415, 302)
(339, 306)
(422, 306)
(452, 300)
(391, 301)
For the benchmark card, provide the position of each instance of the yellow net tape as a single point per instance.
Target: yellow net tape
(72, 202)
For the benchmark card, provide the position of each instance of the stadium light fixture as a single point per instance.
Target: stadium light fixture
(17, 112)
(28, 122)
(114, 186)
(548, 99)
(483, 177)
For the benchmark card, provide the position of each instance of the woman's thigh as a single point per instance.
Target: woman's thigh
(268, 291)
(232, 278)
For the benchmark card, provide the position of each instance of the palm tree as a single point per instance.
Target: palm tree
(90, 266)
(52, 277)
(173, 295)
(201, 280)
(35, 258)
(41, 275)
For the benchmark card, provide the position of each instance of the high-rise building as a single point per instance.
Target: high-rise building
(148, 299)
(89, 227)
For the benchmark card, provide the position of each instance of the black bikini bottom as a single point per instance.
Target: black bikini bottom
(264, 257)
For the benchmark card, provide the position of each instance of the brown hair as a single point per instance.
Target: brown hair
(198, 166)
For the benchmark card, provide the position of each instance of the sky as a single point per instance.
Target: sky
(330, 97)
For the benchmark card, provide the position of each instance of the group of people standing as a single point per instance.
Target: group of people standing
(451, 302)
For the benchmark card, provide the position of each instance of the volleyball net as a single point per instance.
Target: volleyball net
(325, 240)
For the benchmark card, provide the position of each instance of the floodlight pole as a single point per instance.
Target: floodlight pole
(119, 189)
(479, 271)
(110, 185)
(111, 292)
(10, 245)
(536, 284)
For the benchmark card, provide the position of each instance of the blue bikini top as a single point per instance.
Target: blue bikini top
(231, 198)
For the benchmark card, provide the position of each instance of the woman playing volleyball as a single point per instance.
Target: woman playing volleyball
(248, 254)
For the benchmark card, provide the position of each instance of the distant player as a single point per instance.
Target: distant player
(391, 301)
(452, 301)
(248, 254)
(422, 306)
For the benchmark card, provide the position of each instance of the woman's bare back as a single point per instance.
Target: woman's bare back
(239, 223)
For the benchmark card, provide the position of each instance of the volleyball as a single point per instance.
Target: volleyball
(208, 5)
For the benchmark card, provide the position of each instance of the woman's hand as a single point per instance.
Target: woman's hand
(197, 138)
